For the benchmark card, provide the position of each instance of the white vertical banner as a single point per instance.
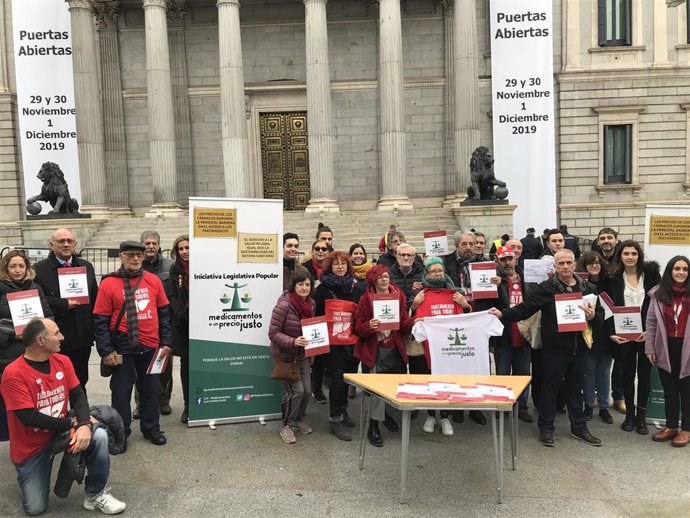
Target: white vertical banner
(45, 91)
(523, 108)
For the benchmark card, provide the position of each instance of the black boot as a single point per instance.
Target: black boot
(629, 423)
(641, 421)
(374, 434)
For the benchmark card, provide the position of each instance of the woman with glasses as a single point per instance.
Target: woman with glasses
(381, 351)
(437, 291)
(338, 283)
(178, 295)
(16, 275)
(631, 282)
(599, 360)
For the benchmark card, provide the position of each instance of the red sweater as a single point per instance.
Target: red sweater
(368, 341)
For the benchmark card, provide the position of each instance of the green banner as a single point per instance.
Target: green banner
(656, 413)
(231, 382)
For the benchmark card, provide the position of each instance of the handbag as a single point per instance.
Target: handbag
(286, 371)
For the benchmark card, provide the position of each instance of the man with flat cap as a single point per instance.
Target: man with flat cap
(132, 321)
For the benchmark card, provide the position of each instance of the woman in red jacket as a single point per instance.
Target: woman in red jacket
(381, 351)
(287, 345)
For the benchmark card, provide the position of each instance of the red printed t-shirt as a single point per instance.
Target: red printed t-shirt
(436, 302)
(515, 296)
(149, 297)
(25, 387)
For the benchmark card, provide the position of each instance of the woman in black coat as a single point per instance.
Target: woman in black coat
(630, 283)
(178, 295)
(16, 275)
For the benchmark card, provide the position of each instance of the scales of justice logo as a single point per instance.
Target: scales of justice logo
(26, 309)
(435, 245)
(386, 310)
(315, 334)
(236, 300)
(570, 310)
(455, 338)
(73, 284)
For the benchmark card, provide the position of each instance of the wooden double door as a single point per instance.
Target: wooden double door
(285, 158)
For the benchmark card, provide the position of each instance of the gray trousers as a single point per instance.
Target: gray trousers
(296, 394)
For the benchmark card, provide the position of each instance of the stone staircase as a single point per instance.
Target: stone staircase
(357, 226)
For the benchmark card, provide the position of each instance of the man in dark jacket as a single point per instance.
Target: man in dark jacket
(155, 263)
(565, 352)
(406, 273)
(72, 317)
(457, 263)
(531, 247)
(571, 241)
(137, 299)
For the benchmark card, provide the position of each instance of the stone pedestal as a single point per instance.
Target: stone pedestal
(36, 233)
(493, 220)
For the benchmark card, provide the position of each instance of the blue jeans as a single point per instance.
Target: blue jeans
(516, 361)
(598, 377)
(33, 474)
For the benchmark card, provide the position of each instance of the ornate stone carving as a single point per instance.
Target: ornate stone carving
(106, 13)
(448, 8)
(176, 11)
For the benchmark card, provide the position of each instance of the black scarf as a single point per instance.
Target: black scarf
(130, 304)
(344, 284)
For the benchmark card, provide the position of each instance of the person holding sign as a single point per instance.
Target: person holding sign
(667, 345)
(440, 296)
(287, 347)
(631, 281)
(69, 284)
(599, 360)
(336, 298)
(564, 350)
(379, 347)
(16, 276)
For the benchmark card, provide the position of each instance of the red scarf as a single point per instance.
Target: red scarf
(303, 307)
(318, 269)
(676, 314)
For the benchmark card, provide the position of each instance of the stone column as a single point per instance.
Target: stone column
(113, 108)
(160, 110)
(321, 176)
(449, 98)
(180, 87)
(233, 122)
(391, 82)
(89, 113)
(466, 95)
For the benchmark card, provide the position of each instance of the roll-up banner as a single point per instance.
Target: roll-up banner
(523, 108)
(235, 271)
(45, 91)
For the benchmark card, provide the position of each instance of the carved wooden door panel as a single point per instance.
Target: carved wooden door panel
(285, 158)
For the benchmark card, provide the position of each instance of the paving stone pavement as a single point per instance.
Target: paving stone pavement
(246, 470)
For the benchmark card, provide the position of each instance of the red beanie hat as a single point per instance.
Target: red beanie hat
(375, 272)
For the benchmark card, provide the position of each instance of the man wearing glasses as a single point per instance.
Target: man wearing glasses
(131, 322)
(407, 273)
(72, 317)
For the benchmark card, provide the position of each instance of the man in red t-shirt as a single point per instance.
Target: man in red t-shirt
(133, 301)
(36, 387)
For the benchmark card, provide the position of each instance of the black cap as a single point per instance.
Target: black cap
(531, 229)
(131, 245)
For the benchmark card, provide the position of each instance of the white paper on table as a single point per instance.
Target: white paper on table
(538, 270)
(416, 390)
(445, 388)
(472, 392)
(496, 392)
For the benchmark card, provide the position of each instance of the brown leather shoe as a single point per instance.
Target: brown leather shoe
(682, 439)
(666, 434)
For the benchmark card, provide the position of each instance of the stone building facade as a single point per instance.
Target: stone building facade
(409, 99)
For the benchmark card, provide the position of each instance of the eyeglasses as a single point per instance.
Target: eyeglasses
(64, 241)
(407, 256)
(132, 255)
(320, 249)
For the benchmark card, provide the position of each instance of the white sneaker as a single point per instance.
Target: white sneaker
(106, 502)
(446, 426)
(288, 435)
(302, 427)
(429, 424)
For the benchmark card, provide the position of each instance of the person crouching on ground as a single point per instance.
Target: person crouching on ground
(287, 345)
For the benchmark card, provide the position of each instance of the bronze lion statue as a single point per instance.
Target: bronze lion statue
(482, 176)
(54, 190)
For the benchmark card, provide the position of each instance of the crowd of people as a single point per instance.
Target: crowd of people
(573, 370)
(142, 308)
